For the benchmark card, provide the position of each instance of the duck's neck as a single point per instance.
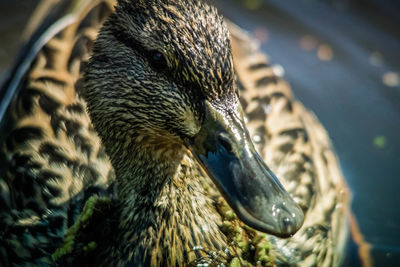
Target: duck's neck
(164, 210)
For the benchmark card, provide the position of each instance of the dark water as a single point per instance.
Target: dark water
(342, 59)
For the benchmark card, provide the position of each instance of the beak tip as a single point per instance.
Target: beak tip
(290, 226)
(282, 223)
(290, 223)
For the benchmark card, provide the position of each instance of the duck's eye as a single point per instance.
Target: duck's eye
(157, 61)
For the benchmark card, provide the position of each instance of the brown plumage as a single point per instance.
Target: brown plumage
(159, 206)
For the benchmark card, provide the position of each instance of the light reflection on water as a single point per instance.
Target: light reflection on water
(344, 67)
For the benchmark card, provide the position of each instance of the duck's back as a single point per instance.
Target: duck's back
(51, 157)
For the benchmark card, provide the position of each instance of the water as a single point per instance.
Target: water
(342, 59)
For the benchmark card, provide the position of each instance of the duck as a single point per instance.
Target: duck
(134, 133)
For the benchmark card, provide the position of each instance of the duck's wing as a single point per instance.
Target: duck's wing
(51, 158)
(297, 148)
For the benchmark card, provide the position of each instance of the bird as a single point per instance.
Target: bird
(134, 133)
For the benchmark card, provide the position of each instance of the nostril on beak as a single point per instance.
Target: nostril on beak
(225, 142)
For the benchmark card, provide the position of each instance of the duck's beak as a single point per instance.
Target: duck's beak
(224, 149)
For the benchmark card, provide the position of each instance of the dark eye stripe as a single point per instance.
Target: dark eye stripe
(128, 40)
(156, 59)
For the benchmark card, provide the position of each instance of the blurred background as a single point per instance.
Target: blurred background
(342, 59)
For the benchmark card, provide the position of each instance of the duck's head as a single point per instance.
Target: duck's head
(162, 74)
